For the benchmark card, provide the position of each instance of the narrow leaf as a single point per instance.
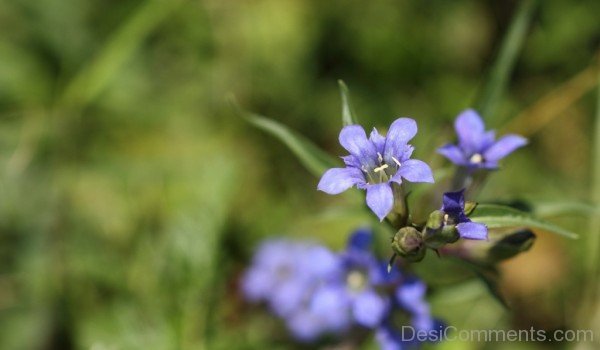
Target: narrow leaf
(506, 59)
(312, 157)
(348, 115)
(548, 209)
(498, 216)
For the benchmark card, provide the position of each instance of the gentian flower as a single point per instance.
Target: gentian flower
(476, 147)
(317, 292)
(409, 298)
(283, 271)
(375, 163)
(362, 275)
(454, 208)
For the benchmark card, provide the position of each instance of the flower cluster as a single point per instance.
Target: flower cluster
(318, 292)
(380, 164)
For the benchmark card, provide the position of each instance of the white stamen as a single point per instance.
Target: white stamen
(446, 217)
(381, 168)
(396, 161)
(379, 157)
(476, 158)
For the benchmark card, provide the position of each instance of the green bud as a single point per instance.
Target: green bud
(469, 207)
(409, 244)
(435, 220)
(502, 244)
(511, 245)
(436, 233)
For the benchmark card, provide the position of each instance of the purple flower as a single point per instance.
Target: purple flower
(454, 209)
(283, 272)
(362, 275)
(476, 147)
(375, 162)
(317, 292)
(409, 298)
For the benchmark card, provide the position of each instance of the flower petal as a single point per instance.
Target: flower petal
(388, 339)
(472, 230)
(488, 139)
(380, 199)
(304, 326)
(354, 140)
(411, 294)
(378, 140)
(503, 147)
(453, 203)
(470, 130)
(400, 132)
(337, 180)
(351, 161)
(332, 306)
(453, 153)
(360, 240)
(369, 308)
(414, 170)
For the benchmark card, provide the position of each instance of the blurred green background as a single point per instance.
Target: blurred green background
(132, 197)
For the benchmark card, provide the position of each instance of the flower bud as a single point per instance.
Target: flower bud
(409, 244)
(437, 234)
(511, 245)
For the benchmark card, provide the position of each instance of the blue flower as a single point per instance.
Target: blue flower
(375, 162)
(362, 276)
(409, 297)
(454, 208)
(317, 292)
(476, 147)
(283, 272)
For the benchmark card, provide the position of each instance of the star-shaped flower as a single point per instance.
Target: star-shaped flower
(476, 147)
(454, 209)
(375, 162)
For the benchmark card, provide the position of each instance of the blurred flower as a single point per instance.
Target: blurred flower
(318, 292)
(282, 272)
(375, 162)
(454, 210)
(409, 298)
(361, 276)
(476, 147)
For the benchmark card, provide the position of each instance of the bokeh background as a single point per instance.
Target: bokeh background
(132, 197)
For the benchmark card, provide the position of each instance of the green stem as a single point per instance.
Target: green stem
(398, 217)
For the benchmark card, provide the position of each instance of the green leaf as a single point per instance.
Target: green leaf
(506, 59)
(348, 115)
(312, 157)
(548, 209)
(498, 216)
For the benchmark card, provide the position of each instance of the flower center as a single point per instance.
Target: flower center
(356, 280)
(383, 172)
(477, 158)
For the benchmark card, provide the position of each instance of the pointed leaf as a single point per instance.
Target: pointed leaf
(348, 115)
(506, 59)
(498, 216)
(312, 157)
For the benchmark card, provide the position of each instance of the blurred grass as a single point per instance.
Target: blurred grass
(132, 197)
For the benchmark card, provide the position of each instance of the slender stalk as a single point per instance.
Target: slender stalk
(590, 308)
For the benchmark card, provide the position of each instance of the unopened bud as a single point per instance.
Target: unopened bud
(511, 245)
(408, 243)
(437, 233)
